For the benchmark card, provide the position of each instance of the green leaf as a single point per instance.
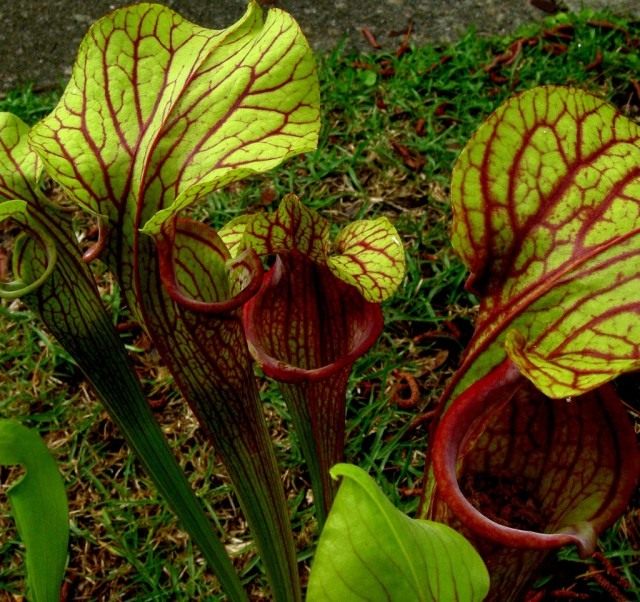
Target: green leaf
(368, 77)
(546, 205)
(166, 112)
(371, 551)
(232, 234)
(39, 504)
(371, 258)
(196, 250)
(20, 172)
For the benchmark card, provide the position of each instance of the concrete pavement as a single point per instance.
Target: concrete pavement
(39, 38)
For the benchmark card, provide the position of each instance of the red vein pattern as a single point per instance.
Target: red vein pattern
(315, 315)
(306, 327)
(305, 324)
(367, 254)
(165, 110)
(291, 227)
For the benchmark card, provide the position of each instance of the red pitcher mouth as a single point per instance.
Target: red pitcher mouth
(307, 325)
(577, 459)
(229, 293)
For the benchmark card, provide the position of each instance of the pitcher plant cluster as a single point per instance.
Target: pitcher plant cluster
(159, 113)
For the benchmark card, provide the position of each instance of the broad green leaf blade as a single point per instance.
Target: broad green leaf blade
(370, 551)
(160, 112)
(546, 201)
(370, 256)
(39, 505)
(530, 182)
(20, 166)
(293, 227)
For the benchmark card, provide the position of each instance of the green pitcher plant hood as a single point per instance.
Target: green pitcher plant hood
(546, 204)
(160, 112)
(52, 279)
(21, 169)
(367, 254)
(317, 311)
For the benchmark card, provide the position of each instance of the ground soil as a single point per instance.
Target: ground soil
(39, 38)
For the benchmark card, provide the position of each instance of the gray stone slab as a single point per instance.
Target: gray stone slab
(39, 38)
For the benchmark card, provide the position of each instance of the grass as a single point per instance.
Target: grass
(393, 126)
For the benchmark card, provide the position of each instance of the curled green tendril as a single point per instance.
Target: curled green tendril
(17, 210)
